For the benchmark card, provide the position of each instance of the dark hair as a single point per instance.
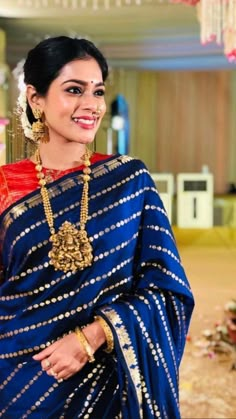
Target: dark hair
(45, 61)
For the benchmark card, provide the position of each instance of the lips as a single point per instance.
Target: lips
(85, 122)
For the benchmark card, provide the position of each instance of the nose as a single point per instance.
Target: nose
(89, 102)
(98, 111)
(95, 108)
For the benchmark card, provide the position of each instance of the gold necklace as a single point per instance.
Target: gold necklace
(71, 248)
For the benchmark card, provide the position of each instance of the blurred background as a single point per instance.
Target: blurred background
(172, 103)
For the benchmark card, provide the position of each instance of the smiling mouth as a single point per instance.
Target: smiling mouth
(84, 121)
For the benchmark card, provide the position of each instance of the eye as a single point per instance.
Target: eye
(100, 92)
(76, 90)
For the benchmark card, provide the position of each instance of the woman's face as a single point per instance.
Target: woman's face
(72, 101)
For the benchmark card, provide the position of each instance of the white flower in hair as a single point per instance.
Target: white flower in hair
(21, 108)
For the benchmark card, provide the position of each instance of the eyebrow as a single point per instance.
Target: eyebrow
(84, 83)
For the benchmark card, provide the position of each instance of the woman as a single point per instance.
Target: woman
(95, 305)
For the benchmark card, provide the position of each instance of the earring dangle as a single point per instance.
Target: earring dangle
(39, 129)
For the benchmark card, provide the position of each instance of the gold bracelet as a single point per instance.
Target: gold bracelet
(85, 344)
(108, 333)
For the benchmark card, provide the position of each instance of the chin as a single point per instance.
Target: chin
(88, 140)
(80, 140)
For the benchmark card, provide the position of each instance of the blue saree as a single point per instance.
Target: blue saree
(136, 283)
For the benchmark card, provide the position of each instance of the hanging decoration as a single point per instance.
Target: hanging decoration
(217, 17)
(189, 2)
(76, 4)
(217, 22)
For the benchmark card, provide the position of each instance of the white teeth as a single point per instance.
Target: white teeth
(84, 121)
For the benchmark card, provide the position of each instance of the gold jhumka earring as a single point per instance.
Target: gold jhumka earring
(39, 128)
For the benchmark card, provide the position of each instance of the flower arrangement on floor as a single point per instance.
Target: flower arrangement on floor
(222, 339)
(230, 312)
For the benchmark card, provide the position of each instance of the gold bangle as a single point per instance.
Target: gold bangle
(108, 334)
(85, 344)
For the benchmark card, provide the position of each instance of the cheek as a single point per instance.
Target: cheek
(57, 112)
(58, 106)
(63, 106)
(104, 109)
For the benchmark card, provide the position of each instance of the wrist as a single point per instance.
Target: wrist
(95, 335)
(85, 344)
(108, 333)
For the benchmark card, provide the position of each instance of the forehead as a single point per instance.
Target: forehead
(82, 69)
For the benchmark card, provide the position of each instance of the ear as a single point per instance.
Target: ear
(34, 99)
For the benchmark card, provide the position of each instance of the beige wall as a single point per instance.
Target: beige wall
(180, 121)
(193, 123)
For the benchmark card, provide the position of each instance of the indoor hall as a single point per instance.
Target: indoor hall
(171, 102)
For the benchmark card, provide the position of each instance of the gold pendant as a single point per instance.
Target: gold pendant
(71, 249)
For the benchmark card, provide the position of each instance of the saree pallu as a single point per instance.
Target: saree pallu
(136, 282)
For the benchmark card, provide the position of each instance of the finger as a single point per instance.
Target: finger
(61, 376)
(66, 373)
(45, 353)
(56, 372)
(53, 373)
(67, 376)
(46, 364)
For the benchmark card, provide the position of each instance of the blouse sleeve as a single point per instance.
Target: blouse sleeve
(4, 198)
(4, 193)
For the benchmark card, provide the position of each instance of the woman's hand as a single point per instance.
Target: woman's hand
(66, 357)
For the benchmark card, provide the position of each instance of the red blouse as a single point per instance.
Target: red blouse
(19, 179)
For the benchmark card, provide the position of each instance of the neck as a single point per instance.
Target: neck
(62, 157)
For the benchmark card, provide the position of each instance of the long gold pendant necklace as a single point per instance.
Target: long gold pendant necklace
(71, 248)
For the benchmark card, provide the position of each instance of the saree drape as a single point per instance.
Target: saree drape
(136, 282)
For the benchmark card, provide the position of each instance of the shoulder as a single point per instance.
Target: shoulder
(14, 181)
(134, 165)
(15, 170)
(132, 162)
(97, 157)
(132, 169)
(17, 166)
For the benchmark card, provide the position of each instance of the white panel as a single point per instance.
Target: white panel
(195, 200)
(165, 186)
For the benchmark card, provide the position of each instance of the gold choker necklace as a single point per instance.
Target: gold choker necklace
(71, 248)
